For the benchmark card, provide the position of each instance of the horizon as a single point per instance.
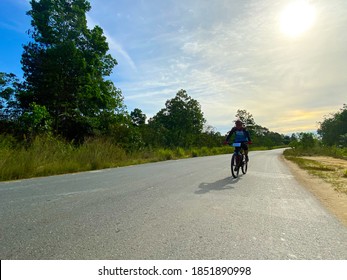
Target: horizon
(282, 61)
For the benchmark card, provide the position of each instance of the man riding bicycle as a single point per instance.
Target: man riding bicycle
(241, 136)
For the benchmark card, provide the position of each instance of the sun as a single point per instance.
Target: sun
(297, 17)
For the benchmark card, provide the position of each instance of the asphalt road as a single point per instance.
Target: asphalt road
(182, 209)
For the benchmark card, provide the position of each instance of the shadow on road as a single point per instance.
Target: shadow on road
(220, 185)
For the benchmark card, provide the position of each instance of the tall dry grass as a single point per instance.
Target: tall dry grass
(47, 155)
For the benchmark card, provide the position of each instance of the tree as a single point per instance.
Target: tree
(334, 128)
(65, 68)
(306, 140)
(259, 130)
(180, 122)
(36, 121)
(210, 137)
(246, 118)
(8, 87)
(137, 117)
(9, 110)
(294, 137)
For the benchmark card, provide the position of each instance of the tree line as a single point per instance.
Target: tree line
(66, 92)
(332, 132)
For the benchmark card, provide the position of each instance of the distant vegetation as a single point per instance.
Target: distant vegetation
(330, 141)
(65, 115)
(331, 138)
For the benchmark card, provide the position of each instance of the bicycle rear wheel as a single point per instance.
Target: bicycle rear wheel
(234, 166)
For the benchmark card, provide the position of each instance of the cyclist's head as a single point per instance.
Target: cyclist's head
(238, 124)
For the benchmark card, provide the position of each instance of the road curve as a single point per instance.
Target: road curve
(180, 209)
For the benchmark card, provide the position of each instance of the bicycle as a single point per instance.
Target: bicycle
(238, 160)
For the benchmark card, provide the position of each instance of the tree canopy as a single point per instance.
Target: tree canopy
(7, 91)
(333, 129)
(65, 66)
(180, 121)
(246, 118)
(138, 118)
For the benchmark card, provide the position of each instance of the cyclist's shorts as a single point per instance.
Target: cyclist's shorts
(244, 146)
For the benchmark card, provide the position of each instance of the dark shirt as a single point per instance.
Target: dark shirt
(241, 135)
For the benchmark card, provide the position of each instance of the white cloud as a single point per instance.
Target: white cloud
(230, 55)
(114, 46)
(118, 49)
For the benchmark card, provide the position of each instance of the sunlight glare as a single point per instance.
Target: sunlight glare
(297, 18)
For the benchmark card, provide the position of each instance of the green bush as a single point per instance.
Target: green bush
(165, 154)
(180, 152)
(318, 150)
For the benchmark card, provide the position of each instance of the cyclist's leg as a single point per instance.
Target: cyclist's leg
(238, 158)
(245, 149)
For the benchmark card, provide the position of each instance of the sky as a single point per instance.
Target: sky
(284, 61)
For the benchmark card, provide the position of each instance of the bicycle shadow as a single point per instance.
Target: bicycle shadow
(220, 185)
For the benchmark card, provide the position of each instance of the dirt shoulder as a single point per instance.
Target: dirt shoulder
(333, 200)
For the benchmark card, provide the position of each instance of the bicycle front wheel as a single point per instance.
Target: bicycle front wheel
(244, 167)
(234, 166)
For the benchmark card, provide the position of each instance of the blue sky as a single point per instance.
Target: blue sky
(227, 54)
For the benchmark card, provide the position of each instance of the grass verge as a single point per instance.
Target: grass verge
(331, 170)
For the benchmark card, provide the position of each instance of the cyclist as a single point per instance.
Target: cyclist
(241, 136)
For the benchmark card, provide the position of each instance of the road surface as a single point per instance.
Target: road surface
(180, 209)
